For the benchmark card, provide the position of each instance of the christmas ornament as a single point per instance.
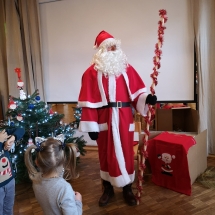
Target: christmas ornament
(19, 117)
(30, 106)
(22, 94)
(18, 71)
(142, 152)
(30, 142)
(12, 105)
(37, 98)
(12, 123)
(20, 83)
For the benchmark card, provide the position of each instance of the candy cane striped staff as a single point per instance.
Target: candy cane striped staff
(142, 153)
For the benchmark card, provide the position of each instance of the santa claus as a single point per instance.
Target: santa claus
(110, 87)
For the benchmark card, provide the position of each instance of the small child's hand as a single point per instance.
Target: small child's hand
(3, 136)
(9, 143)
(78, 196)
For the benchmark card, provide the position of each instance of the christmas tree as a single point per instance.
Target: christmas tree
(38, 119)
(77, 114)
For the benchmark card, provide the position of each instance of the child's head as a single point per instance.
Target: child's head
(51, 156)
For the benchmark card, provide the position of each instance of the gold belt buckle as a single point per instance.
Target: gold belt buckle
(119, 104)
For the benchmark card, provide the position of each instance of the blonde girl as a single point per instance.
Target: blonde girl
(50, 163)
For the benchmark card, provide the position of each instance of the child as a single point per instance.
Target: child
(7, 181)
(54, 194)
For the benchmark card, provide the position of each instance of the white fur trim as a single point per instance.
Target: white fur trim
(117, 181)
(137, 93)
(134, 95)
(86, 126)
(103, 127)
(142, 107)
(112, 88)
(102, 93)
(127, 83)
(109, 42)
(115, 129)
(101, 88)
(117, 145)
(131, 127)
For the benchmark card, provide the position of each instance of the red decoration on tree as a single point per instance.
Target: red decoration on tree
(12, 105)
(142, 152)
(19, 117)
(20, 84)
(30, 142)
(18, 71)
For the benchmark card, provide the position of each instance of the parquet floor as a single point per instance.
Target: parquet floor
(155, 200)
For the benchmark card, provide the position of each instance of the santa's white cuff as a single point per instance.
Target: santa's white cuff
(142, 108)
(86, 126)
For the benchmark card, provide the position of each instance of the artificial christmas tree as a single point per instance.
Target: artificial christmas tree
(77, 114)
(38, 119)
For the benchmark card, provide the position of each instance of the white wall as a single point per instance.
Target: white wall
(69, 29)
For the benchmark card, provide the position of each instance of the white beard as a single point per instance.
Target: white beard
(110, 62)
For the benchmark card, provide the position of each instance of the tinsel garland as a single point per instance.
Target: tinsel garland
(142, 152)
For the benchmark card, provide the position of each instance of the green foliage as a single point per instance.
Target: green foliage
(38, 119)
(77, 115)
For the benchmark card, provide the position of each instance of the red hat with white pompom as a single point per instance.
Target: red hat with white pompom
(20, 83)
(103, 37)
(19, 117)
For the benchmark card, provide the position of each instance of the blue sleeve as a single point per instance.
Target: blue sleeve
(17, 132)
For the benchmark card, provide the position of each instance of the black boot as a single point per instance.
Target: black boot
(128, 195)
(107, 194)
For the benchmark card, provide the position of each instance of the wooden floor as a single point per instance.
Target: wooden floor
(155, 200)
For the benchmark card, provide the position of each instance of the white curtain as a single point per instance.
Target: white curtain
(204, 26)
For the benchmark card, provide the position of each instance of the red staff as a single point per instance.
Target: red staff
(142, 152)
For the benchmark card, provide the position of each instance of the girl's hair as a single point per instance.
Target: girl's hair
(51, 156)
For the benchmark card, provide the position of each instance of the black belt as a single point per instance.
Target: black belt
(117, 104)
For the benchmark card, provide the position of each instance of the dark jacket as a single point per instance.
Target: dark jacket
(6, 172)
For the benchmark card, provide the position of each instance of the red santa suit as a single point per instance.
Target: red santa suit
(114, 124)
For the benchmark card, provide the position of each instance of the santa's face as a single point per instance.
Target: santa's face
(110, 60)
(166, 158)
(111, 48)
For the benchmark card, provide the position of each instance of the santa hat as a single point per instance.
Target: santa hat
(103, 37)
(20, 83)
